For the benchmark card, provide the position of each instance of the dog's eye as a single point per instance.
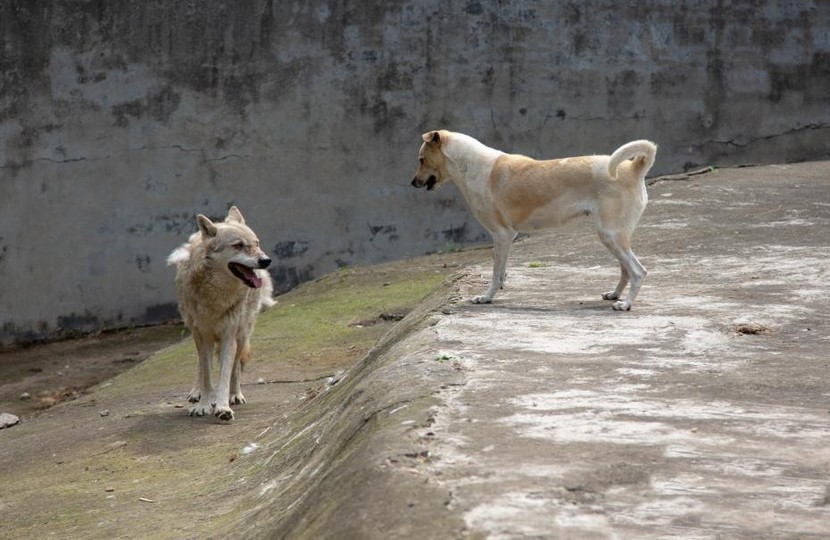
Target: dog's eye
(421, 161)
(238, 245)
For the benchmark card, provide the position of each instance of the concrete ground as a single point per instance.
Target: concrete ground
(702, 413)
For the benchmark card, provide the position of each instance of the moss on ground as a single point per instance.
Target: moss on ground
(76, 471)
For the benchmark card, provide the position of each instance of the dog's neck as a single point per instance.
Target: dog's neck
(468, 158)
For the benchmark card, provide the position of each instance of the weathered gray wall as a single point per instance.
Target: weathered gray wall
(120, 120)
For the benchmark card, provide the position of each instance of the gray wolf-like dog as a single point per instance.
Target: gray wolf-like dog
(221, 285)
(510, 193)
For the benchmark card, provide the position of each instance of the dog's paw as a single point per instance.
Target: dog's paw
(223, 412)
(194, 396)
(610, 295)
(201, 409)
(483, 299)
(622, 305)
(238, 399)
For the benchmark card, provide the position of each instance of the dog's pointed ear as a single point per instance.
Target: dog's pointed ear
(432, 137)
(235, 215)
(206, 226)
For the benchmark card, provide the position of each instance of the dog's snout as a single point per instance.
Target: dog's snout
(263, 263)
(415, 182)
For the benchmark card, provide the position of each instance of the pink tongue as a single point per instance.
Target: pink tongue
(251, 275)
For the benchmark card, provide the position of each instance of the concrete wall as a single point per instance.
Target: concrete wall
(121, 120)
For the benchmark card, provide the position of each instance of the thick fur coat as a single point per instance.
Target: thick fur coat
(511, 193)
(221, 285)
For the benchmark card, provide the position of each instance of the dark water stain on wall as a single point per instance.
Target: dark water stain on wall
(289, 249)
(287, 277)
(25, 54)
(160, 312)
(389, 232)
(809, 80)
(78, 322)
(170, 223)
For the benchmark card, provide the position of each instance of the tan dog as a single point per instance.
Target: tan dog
(221, 285)
(510, 193)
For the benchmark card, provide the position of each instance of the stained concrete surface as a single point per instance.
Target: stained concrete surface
(702, 413)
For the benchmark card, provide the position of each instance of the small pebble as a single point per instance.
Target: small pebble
(25, 395)
(8, 420)
(105, 412)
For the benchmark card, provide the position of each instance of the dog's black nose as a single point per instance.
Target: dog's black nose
(415, 182)
(263, 263)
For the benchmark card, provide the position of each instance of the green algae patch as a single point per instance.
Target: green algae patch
(309, 333)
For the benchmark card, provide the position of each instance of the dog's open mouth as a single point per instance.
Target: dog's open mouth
(247, 275)
(431, 183)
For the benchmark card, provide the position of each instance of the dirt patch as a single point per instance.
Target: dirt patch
(380, 319)
(37, 377)
(751, 328)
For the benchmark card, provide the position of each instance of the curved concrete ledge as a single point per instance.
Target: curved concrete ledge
(702, 412)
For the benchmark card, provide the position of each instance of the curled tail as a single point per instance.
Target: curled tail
(644, 150)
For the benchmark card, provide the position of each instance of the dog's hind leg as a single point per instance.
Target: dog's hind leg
(501, 249)
(227, 360)
(619, 244)
(616, 294)
(204, 350)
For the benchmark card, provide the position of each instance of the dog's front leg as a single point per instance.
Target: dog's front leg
(204, 350)
(227, 357)
(501, 248)
(242, 354)
(195, 393)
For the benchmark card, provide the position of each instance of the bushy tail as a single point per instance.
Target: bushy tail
(645, 150)
(182, 253)
(179, 255)
(266, 292)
